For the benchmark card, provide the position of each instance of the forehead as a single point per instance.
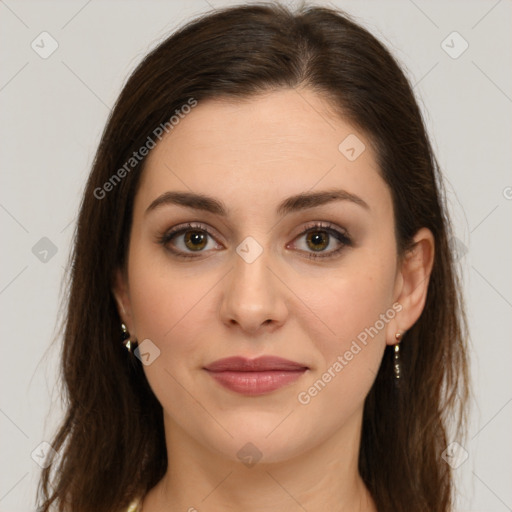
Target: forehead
(262, 148)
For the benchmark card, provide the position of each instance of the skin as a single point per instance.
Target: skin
(251, 155)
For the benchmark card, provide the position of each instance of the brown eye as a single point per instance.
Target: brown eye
(185, 240)
(319, 240)
(195, 240)
(318, 237)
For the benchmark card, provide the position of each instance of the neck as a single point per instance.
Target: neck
(324, 477)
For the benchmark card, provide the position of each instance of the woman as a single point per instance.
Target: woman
(265, 230)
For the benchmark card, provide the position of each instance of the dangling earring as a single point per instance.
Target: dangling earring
(396, 360)
(126, 339)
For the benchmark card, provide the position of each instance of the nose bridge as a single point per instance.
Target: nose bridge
(250, 265)
(250, 275)
(253, 296)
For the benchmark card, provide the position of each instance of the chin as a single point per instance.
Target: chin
(262, 442)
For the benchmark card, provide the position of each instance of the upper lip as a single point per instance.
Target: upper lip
(263, 363)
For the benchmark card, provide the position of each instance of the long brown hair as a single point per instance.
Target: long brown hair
(111, 442)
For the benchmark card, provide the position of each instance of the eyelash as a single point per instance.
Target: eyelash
(341, 236)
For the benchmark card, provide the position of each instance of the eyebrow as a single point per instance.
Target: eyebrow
(291, 204)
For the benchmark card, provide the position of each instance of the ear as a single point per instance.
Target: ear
(412, 282)
(121, 293)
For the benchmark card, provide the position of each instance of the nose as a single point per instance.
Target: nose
(254, 297)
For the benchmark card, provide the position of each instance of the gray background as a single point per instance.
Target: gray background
(54, 109)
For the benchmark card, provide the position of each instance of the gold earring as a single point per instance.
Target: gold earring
(126, 339)
(396, 359)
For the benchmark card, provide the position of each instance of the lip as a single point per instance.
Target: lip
(255, 376)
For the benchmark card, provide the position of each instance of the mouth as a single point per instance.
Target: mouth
(255, 376)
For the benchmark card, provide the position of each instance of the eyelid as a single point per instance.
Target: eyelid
(340, 234)
(323, 225)
(166, 237)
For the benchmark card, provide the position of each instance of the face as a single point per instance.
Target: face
(251, 273)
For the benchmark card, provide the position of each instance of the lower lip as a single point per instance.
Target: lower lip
(256, 383)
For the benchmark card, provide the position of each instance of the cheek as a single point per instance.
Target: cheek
(164, 303)
(355, 307)
(170, 308)
(353, 301)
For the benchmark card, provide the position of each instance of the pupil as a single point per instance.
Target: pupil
(317, 238)
(196, 238)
